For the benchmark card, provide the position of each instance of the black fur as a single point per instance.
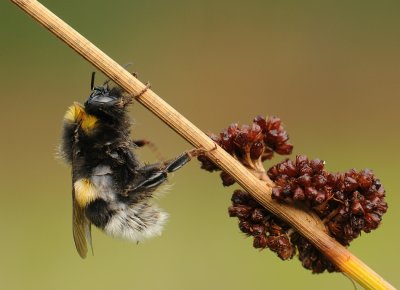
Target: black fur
(109, 143)
(99, 213)
(68, 140)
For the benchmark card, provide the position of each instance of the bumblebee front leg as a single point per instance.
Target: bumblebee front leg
(128, 99)
(147, 86)
(143, 142)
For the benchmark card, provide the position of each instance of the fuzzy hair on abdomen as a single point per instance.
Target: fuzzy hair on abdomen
(135, 221)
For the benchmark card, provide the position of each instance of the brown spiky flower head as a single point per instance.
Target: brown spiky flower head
(251, 145)
(347, 203)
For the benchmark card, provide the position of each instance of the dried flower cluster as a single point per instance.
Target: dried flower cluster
(268, 231)
(348, 203)
(310, 257)
(250, 145)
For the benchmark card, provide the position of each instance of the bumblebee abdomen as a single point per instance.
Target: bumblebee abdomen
(85, 191)
(99, 213)
(137, 222)
(119, 217)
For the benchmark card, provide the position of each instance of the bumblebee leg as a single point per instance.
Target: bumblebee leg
(177, 163)
(153, 181)
(150, 182)
(180, 161)
(140, 143)
(136, 75)
(155, 174)
(148, 86)
(128, 99)
(151, 145)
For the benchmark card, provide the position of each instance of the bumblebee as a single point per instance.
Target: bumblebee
(111, 189)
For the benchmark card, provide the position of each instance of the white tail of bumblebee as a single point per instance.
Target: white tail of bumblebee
(137, 222)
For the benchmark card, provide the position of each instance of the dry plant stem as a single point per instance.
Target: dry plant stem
(307, 224)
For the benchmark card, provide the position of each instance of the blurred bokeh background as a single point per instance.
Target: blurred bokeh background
(329, 69)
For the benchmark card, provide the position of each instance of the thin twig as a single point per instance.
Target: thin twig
(307, 224)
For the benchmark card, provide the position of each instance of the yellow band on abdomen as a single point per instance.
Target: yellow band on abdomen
(85, 192)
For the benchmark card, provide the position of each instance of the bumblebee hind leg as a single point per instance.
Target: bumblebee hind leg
(178, 162)
(139, 218)
(154, 175)
(181, 160)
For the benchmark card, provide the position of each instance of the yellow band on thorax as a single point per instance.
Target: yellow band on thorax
(76, 114)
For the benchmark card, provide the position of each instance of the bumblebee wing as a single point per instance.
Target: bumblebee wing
(80, 229)
(81, 226)
(88, 234)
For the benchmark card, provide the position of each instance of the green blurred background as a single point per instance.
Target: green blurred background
(329, 69)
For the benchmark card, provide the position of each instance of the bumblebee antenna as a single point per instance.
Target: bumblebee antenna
(92, 81)
(127, 64)
(106, 82)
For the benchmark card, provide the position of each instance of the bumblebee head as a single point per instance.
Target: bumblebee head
(105, 102)
(104, 97)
